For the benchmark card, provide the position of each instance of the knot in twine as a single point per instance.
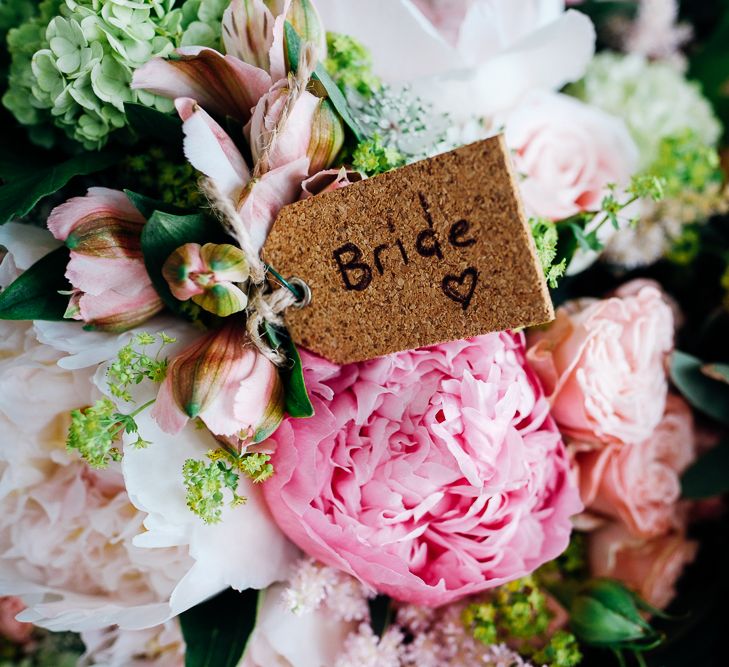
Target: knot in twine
(263, 306)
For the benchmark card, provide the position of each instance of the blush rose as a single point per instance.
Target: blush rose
(429, 474)
(602, 365)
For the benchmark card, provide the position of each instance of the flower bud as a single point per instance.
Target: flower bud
(327, 137)
(208, 275)
(605, 613)
(328, 180)
(111, 288)
(304, 18)
(226, 382)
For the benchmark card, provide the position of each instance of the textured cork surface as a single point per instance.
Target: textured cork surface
(435, 251)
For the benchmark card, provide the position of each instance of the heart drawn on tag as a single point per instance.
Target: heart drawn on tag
(460, 288)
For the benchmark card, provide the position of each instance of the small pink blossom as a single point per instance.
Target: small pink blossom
(112, 290)
(602, 365)
(430, 474)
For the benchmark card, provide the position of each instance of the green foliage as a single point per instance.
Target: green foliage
(350, 65)
(546, 238)
(34, 295)
(709, 476)
(700, 386)
(330, 88)
(19, 195)
(686, 162)
(217, 630)
(373, 157)
(297, 401)
(206, 483)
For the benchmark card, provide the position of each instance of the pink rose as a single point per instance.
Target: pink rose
(15, 631)
(568, 152)
(651, 567)
(112, 290)
(224, 380)
(602, 365)
(639, 483)
(429, 474)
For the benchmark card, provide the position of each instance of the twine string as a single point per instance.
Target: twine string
(264, 306)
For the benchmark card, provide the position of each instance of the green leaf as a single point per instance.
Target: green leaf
(164, 233)
(339, 102)
(147, 122)
(703, 392)
(298, 404)
(147, 206)
(19, 195)
(216, 631)
(34, 295)
(586, 242)
(709, 476)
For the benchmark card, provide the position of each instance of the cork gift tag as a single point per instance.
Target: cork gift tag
(435, 251)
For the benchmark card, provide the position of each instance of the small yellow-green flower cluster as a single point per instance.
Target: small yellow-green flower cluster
(350, 64)
(206, 483)
(518, 612)
(95, 431)
(72, 63)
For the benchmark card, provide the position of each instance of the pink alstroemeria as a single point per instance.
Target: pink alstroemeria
(226, 382)
(112, 290)
(210, 275)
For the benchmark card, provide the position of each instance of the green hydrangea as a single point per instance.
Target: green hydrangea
(653, 98)
(73, 62)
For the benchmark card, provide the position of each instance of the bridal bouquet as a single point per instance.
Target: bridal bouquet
(181, 483)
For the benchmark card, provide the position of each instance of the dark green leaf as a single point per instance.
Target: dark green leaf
(147, 206)
(339, 102)
(298, 404)
(703, 392)
(216, 631)
(719, 372)
(147, 122)
(34, 295)
(709, 476)
(588, 241)
(164, 233)
(380, 613)
(19, 195)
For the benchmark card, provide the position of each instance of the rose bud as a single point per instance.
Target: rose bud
(604, 613)
(111, 288)
(208, 275)
(311, 129)
(226, 382)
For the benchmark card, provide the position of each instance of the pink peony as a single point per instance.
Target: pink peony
(112, 290)
(651, 567)
(429, 474)
(11, 629)
(602, 364)
(639, 483)
(568, 152)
